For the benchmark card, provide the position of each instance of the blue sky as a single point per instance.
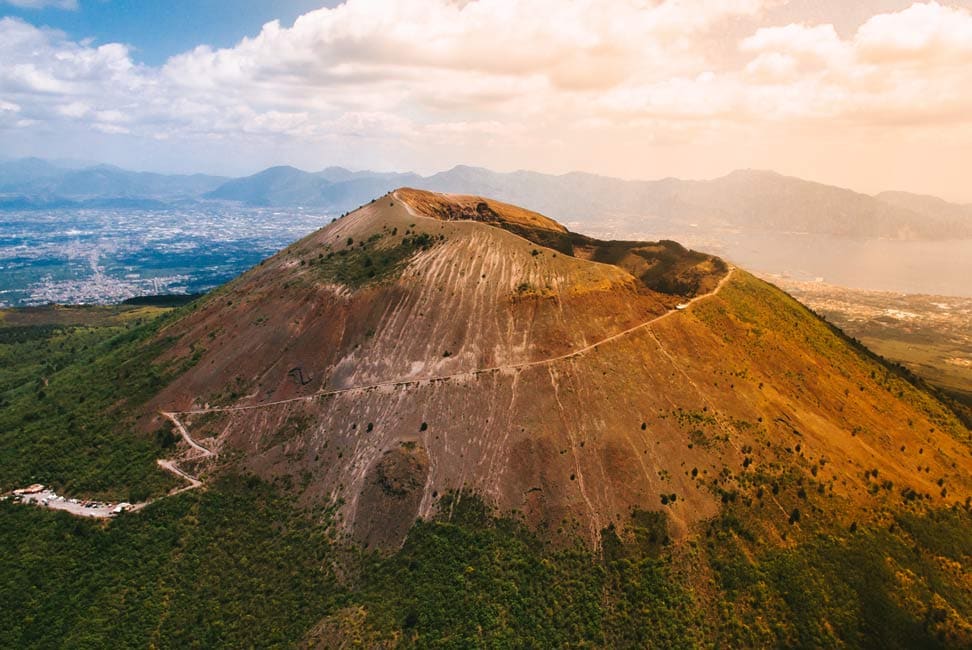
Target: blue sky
(158, 29)
(871, 94)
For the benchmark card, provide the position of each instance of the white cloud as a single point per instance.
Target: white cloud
(43, 4)
(926, 34)
(819, 43)
(433, 62)
(74, 109)
(909, 67)
(564, 45)
(495, 77)
(110, 129)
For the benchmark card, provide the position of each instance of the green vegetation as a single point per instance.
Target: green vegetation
(67, 395)
(474, 580)
(768, 314)
(479, 581)
(368, 261)
(238, 565)
(665, 266)
(870, 587)
(234, 566)
(930, 335)
(165, 300)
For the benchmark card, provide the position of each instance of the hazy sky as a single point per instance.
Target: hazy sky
(872, 94)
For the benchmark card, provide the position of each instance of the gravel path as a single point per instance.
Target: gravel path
(468, 374)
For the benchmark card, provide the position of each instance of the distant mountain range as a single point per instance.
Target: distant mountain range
(746, 200)
(334, 188)
(41, 181)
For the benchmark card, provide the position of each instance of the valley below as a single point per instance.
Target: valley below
(461, 324)
(443, 420)
(105, 256)
(930, 335)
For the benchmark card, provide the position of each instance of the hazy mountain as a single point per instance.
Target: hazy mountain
(569, 196)
(756, 201)
(335, 188)
(768, 201)
(26, 170)
(31, 178)
(341, 175)
(274, 186)
(930, 207)
(747, 200)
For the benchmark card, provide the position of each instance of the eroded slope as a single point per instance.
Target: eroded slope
(392, 358)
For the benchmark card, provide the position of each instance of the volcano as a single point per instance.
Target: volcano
(426, 347)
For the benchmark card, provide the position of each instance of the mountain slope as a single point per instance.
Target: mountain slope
(427, 343)
(753, 201)
(37, 178)
(930, 207)
(24, 170)
(766, 201)
(272, 185)
(334, 188)
(545, 450)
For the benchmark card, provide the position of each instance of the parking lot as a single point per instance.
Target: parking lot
(47, 498)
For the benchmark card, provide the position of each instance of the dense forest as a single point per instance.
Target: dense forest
(239, 564)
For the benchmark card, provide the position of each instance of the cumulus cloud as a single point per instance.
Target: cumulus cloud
(502, 74)
(54, 79)
(819, 43)
(491, 49)
(42, 4)
(925, 34)
(406, 64)
(909, 67)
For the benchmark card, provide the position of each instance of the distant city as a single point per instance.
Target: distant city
(98, 256)
(101, 234)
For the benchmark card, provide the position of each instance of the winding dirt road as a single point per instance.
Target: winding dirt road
(107, 510)
(198, 451)
(468, 374)
(203, 452)
(171, 466)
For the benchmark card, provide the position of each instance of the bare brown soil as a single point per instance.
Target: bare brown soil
(743, 387)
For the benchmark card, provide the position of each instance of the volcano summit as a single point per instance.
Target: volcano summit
(428, 345)
(447, 421)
